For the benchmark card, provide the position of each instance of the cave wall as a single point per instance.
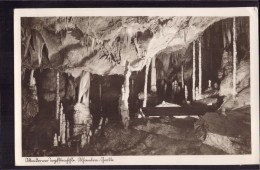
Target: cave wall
(217, 61)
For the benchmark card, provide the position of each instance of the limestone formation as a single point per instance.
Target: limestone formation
(193, 72)
(57, 95)
(77, 66)
(234, 59)
(153, 76)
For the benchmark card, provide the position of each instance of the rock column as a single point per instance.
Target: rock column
(200, 72)
(153, 76)
(82, 116)
(234, 59)
(193, 73)
(125, 95)
(57, 95)
(145, 81)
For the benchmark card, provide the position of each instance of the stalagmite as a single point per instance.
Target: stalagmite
(209, 85)
(83, 141)
(33, 88)
(165, 89)
(62, 125)
(63, 140)
(145, 82)
(61, 118)
(32, 79)
(234, 59)
(82, 117)
(57, 95)
(153, 76)
(126, 87)
(193, 73)
(100, 123)
(200, 72)
(68, 130)
(55, 140)
(124, 106)
(186, 93)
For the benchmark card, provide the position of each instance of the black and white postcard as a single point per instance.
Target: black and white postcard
(136, 86)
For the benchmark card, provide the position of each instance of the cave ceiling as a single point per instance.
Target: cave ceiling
(103, 45)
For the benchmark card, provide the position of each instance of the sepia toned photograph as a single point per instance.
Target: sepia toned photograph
(98, 87)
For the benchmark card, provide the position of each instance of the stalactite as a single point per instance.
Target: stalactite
(228, 33)
(124, 106)
(193, 72)
(197, 93)
(32, 79)
(57, 94)
(185, 35)
(85, 98)
(84, 86)
(126, 86)
(145, 81)
(153, 76)
(224, 34)
(33, 89)
(234, 58)
(82, 117)
(200, 71)
(182, 76)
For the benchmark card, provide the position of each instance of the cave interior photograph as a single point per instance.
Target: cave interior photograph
(135, 85)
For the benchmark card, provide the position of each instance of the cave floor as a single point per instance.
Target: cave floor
(153, 136)
(147, 136)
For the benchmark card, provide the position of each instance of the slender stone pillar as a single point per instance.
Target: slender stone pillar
(84, 88)
(234, 59)
(182, 77)
(82, 117)
(100, 93)
(200, 72)
(186, 93)
(57, 95)
(153, 76)
(145, 81)
(125, 96)
(193, 72)
(126, 87)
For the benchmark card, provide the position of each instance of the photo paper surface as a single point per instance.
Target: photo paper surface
(136, 86)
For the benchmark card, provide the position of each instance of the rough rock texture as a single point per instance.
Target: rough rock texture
(243, 87)
(86, 43)
(170, 129)
(229, 133)
(166, 136)
(242, 99)
(29, 106)
(208, 100)
(243, 79)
